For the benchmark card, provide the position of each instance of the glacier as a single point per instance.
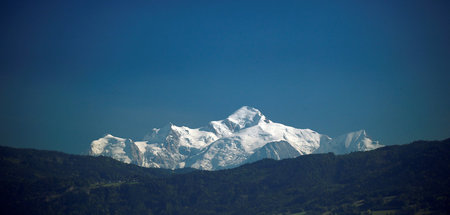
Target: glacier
(243, 137)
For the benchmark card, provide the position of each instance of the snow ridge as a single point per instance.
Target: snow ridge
(244, 136)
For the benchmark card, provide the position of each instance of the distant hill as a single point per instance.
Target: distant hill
(405, 179)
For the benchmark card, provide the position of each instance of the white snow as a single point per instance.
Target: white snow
(142, 145)
(110, 146)
(245, 116)
(224, 143)
(98, 146)
(353, 141)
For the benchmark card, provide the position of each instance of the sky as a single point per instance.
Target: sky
(73, 71)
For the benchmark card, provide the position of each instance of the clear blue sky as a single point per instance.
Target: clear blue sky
(72, 71)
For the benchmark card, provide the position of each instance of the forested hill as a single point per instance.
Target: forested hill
(405, 179)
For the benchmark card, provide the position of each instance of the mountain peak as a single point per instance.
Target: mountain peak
(360, 132)
(246, 116)
(244, 136)
(245, 111)
(350, 142)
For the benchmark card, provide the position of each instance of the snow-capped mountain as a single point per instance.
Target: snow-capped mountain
(245, 136)
(353, 141)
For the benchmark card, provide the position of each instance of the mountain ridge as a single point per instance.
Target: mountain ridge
(225, 143)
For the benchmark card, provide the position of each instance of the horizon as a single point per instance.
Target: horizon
(72, 72)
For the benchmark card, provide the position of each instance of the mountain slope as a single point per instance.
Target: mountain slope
(274, 150)
(404, 179)
(225, 143)
(351, 142)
